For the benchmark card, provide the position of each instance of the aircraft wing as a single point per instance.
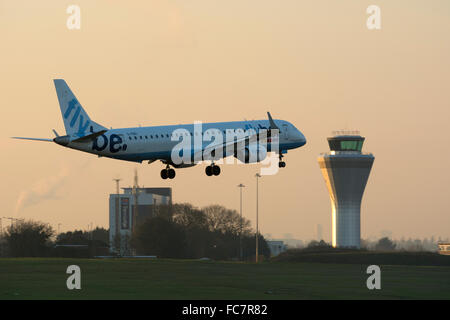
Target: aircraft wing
(90, 137)
(235, 143)
(240, 142)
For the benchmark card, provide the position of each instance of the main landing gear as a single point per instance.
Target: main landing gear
(167, 173)
(281, 163)
(212, 170)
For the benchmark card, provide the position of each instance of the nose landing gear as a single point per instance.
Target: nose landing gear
(281, 163)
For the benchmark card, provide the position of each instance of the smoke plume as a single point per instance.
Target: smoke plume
(44, 189)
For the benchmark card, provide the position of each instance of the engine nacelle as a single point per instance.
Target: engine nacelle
(183, 165)
(252, 153)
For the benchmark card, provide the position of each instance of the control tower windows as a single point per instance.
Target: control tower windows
(351, 145)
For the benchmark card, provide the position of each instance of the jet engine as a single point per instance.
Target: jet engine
(252, 153)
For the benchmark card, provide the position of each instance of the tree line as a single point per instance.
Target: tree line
(381, 244)
(179, 231)
(29, 238)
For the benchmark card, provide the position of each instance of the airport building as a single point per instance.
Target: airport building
(346, 170)
(276, 247)
(130, 209)
(444, 248)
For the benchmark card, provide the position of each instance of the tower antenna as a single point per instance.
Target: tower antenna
(117, 180)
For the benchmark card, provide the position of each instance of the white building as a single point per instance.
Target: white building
(122, 210)
(444, 248)
(276, 247)
(346, 171)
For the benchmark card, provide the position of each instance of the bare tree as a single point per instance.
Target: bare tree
(188, 216)
(225, 220)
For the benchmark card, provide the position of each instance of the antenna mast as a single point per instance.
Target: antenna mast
(117, 244)
(136, 201)
(117, 185)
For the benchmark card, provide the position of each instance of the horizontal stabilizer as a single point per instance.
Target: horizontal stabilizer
(34, 139)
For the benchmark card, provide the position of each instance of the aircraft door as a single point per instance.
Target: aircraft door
(285, 132)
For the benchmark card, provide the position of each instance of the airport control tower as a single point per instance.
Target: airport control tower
(346, 170)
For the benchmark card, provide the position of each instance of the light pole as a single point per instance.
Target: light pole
(240, 231)
(257, 215)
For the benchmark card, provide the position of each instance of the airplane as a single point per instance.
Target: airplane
(157, 142)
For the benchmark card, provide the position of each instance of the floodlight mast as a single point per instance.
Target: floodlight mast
(240, 186)
(257, 217)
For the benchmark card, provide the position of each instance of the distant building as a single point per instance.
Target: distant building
(122, 210)
(319, 232)
(276, 247)
(444, 248)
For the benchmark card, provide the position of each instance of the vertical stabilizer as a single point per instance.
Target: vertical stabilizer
(76, 120)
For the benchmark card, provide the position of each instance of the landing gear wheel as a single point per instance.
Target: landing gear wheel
(216, 170)
(164, 174)
(209, 171)
(171, 173)
(281, 163)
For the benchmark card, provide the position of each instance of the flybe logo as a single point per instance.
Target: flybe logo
(115, 143)
(78, 114)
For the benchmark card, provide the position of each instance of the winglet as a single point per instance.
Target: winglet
(272, 123)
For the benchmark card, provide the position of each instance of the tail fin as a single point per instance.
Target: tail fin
(76, 120)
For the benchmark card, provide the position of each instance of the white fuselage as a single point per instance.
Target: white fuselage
(157, 142)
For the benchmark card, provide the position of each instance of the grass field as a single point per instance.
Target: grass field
(187, 279)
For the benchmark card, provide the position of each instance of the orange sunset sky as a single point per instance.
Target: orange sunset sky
(313, 63)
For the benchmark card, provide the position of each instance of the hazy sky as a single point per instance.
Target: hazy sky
(313, 63)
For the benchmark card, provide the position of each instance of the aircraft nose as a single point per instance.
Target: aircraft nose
(301, 138)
